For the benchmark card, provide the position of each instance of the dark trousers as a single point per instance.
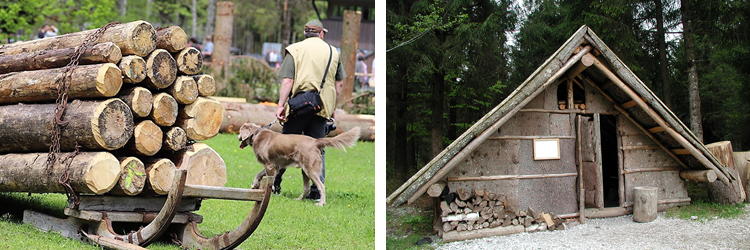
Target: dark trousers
(310, 125)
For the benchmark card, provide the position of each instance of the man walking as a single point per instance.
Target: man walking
(303, 69)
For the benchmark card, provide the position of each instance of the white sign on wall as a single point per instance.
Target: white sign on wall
(546, 149)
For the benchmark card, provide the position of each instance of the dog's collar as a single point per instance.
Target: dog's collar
(261, 129)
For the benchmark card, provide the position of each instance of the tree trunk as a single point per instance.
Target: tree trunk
(723, 194)
(46, 59)
(87, 81)
(437, 117)
(741, 160)
(95, 125)
(175, 139)
(204, 165)
(133, 38)
(222, 39)
(139, 99)
(206, 85)
(159, 172)
(147, 139)
(696, 120)
(663, 62)
(349, 43)
(90, 172)
(210, 17)
(123, 6)
(189, 61)
(133, 69)
(132, 177)
(172, 39)
(164, 111)
(194, 12)
(161, 70)
(184, 90)
(201, 119)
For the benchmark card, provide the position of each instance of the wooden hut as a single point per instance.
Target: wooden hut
(575, 138)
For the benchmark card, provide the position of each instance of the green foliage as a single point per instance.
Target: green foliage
(252, 79)
(23, 15)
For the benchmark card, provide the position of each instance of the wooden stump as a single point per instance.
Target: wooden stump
(175, 139)
(161, 70)
(184, 90)
(644, 209)
(741, 164)
(133, 38)
(132, 177)
(172, 38)
(164, 110)
(95, 125)
(204, 165)
(47, 59)
(206, 85)
(201, 119)
(87, 81)
(133, 69)
(139, 99)
(189, 61)
(90, 172)
(159, 172)
(146, 140)
(723, 152)
(723, 194)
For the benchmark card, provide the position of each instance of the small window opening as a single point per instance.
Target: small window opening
(578, 97)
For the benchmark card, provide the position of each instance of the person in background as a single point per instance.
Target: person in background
(208, 48)
(274, 58)
(47, 31)
(361, 68)
(194, 43)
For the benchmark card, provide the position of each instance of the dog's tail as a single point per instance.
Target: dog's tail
(346, 139)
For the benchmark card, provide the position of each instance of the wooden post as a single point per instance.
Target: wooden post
(579, 162)
(349, 43)
(698, 175)
(644, 209)
(222, 40)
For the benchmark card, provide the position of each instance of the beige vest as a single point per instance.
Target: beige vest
(310, 58)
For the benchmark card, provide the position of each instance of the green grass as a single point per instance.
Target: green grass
(707, 211)
(346, 221)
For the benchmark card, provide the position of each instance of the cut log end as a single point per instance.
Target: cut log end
(175, 139)
(147, 138)
(142, 102)
(142, 39)
(109, 79)
(189, 61)
(184, 90)
(110, 52)
(161, 69)
(204, 165)
(112, 124)
(133, 69)
(172, 39)
(105, 169)
(132, 177)
(206, 85)
(160, 174)
(164, 110)
(203, 120)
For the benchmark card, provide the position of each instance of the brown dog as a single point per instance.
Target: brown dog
(276, 151)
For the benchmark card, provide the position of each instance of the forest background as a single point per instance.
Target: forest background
(450, 62)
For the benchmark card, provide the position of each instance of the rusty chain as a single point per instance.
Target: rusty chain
(63, 84)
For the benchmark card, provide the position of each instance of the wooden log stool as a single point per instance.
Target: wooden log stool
(644, 209)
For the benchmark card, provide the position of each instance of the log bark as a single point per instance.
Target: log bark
(159, 172)
(206, 85)
(161, 70)
(90, 172)
(146, 140)
(189, 61)
(741, 164)
(133, 38)
(139, 99)
(175, 139)
(184, 90)
(644, 209)
(95, 125)
(466, 235)
(99, 53)
(172, 38)
(201, 119)
(133, 69)
(132, 177)
(222, 39)
(164, 110)
(698, 175)
(727, 194)
(204, 165)
(87, 81)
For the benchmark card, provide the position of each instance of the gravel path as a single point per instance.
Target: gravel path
(622, 233)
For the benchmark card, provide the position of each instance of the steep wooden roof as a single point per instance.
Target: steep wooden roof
(604, 71)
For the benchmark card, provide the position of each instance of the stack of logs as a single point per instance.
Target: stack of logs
(467, 210)
(131, 137)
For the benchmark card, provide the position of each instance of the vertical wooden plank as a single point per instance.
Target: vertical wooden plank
(349, 43)
(579, 163)
(620, 163)
(570, 94)
(598, 151)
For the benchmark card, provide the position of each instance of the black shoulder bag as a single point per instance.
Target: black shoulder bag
(309, 102)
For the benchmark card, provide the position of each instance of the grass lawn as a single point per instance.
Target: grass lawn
(347, 221)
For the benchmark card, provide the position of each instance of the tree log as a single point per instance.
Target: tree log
(46, 59)
(159, 172)
(201, 119)
(90, 172)
(146, 140)
(133, 38)
(175, 139)
(741, 163)
(189, 61)
(161, 70)
(139, 99)
(723, 194)
(723, 152)
(132, 177)
(204, 165)
(87, 81)
(95, 125)
(644, 209)
(172, 38)
(133, 69)
(698, 175)
(164, 110)
(466, 235)
(184, 90)
(436, 189)
(206, 85)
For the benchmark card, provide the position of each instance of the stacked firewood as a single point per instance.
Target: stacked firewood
(136, 105)
(466, 210)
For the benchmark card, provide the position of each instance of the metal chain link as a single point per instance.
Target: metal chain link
(63, 84)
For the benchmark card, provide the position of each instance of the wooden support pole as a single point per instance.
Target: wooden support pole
(629, 104)
(47, 59)
(86, 82)
(579, 162)
(486, 232)
(508, 177)
(698, 175)
(656, 129)
(349, 44)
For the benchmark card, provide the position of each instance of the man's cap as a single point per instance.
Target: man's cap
(316, 25)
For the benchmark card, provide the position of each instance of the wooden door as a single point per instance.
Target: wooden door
(591, 161)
